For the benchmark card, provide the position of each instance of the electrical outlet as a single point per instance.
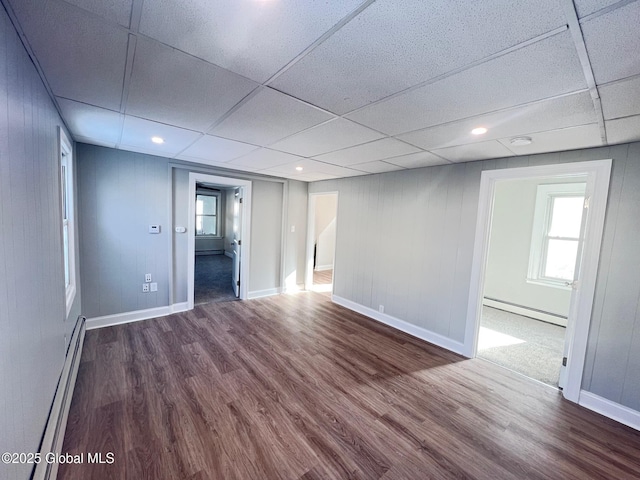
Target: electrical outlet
(154, 287)
(381, 308)
(147, 277)
(145, 287)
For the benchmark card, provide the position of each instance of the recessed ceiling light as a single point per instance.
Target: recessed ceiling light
(520, 141)
(479, 131)
(158, 140)
(299, 169)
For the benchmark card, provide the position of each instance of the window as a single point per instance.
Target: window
(556, 233)
(67, 214)
(207, 214)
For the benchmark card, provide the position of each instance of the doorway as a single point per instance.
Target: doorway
(215, 231)
(218, 238)
(533, 246)
(580, 273)
(321, 242)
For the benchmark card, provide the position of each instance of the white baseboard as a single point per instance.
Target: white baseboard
(613, 410)
(135, 316)
(264, 293)
(413, 330)
(228, 254)
(508, 307)
(53, 437)
(322, 268)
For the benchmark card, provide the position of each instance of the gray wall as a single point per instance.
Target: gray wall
(296, 241)
(32, 305)
(121, 193)
(424, 280)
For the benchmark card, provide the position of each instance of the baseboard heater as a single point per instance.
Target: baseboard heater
(53, 435)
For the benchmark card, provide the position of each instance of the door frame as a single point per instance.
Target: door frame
(197, 177)
(580, 318)
(311, 231)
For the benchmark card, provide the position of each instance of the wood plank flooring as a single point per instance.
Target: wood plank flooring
(294, 386)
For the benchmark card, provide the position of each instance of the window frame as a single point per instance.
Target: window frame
(543, 212)
(67, 217)
(217, 195)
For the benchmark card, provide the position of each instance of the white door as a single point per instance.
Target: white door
(237, 240)
(575, 286)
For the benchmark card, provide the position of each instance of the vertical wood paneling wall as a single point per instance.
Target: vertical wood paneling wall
(32, 305)
(120, 195)
(405, 241)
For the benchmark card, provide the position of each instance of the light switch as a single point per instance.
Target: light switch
(154, 228)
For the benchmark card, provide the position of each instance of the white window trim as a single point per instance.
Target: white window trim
(218, 195)
(65, 155)
(542, 211)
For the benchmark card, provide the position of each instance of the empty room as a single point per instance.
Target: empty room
(376, 239)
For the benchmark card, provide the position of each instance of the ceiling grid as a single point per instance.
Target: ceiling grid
(339, 88)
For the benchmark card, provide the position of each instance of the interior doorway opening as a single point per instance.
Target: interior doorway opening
(219, 235)
(215, 231)
(536, 232)
(321, 237)
(586, 248)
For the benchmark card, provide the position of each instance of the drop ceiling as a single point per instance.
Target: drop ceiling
(338, 87)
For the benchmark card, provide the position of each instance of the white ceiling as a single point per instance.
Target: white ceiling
(339, 87)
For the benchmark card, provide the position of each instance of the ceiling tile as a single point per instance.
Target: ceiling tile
(376, 150)
(333, 135)
(118, 11)
(381, 52)
(175, 88)
(137, 133)
(621, 99)
(262, 159)
(587, 7)
(252, 38)
(623, 130)
(376, 167)
(214, 149)
(83, 58)
(557, 113)
(89, 122)
(476, 151)
(269, 116)
(542, 70)
(418, 160)
(613, 43)
(572, 138)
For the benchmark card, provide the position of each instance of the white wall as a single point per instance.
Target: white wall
(228, 221)
(33, 321)
(425, 279)
(510, 246)
(295, 261)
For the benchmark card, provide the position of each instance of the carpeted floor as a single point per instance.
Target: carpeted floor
(213, 279)
(522, 344)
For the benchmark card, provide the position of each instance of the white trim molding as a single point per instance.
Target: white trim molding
(525, 311)
(613, 410)
(323, 268)
(135, 316)
(406, 327)
(598, 174)
(264, 293)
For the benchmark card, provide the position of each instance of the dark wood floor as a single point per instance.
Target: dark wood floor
(294, 386)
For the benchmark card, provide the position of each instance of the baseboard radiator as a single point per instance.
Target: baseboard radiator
(57, 422)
